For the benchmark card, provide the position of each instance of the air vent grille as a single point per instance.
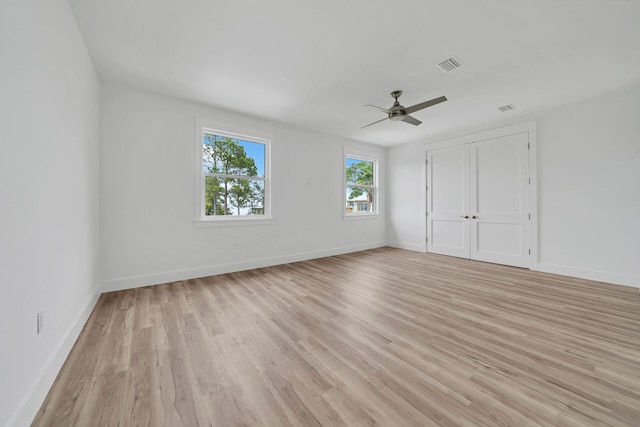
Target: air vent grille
(450, 64)
(506, 108)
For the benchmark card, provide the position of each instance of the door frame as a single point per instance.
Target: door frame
(531, 129)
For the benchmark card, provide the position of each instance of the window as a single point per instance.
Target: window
(360, 186)
(234, 180)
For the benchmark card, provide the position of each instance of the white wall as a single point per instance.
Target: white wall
(406, 197)
(588, 190)
(148, 232)
(589, 187)
(49, 135)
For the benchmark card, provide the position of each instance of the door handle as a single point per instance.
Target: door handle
(464, 216)
(475, 217)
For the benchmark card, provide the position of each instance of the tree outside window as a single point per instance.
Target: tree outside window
(360, 184)
(234, 175)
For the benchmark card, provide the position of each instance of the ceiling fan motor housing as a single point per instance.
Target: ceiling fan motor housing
(396, 113)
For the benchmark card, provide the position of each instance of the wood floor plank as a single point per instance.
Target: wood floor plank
(380, 337)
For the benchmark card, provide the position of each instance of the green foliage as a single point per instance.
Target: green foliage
(360, 173)
(213, 195)
(223, 155)
(256, 201)
(355, 192)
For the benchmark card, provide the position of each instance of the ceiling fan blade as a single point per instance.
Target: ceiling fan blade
(413, 121)
(379, 108)
(425, 104)
(386, 118)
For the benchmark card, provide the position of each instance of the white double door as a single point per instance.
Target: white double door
(478, 200)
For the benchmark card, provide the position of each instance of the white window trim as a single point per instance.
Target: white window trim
(202, 220)
(375, 186)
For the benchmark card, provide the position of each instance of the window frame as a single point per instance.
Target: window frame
(375, 187)
(213, 220)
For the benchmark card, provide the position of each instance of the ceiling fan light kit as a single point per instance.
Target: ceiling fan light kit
(399, 113)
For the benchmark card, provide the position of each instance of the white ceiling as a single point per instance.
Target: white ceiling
(314, 64)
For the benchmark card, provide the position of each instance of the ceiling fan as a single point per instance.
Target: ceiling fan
(399, 113)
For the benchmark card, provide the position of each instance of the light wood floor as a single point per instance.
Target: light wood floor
(381, 337)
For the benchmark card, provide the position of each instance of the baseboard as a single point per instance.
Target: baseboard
(407, 246)
(582, 273)
(599, 276)
(31, 402)
(173, 276)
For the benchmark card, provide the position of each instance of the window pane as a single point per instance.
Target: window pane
(232, 156)
(228, 196)
(359, 172)
(360, 200)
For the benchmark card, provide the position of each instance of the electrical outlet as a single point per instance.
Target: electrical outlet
(40, 322)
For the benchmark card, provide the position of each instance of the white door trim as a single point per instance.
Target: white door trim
(530, 128)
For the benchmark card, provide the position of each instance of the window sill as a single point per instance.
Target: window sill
(360, 216)
(233, 222)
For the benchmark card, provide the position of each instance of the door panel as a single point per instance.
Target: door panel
(498, 238)
(448, 176)
(448, 234)
(499, 202)
(498, 175)
(448, 201)
(488, 183)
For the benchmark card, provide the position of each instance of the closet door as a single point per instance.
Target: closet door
(448, 201)
(499, 200)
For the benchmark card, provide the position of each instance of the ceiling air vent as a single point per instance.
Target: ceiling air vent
(506, 108)
(450, 64)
